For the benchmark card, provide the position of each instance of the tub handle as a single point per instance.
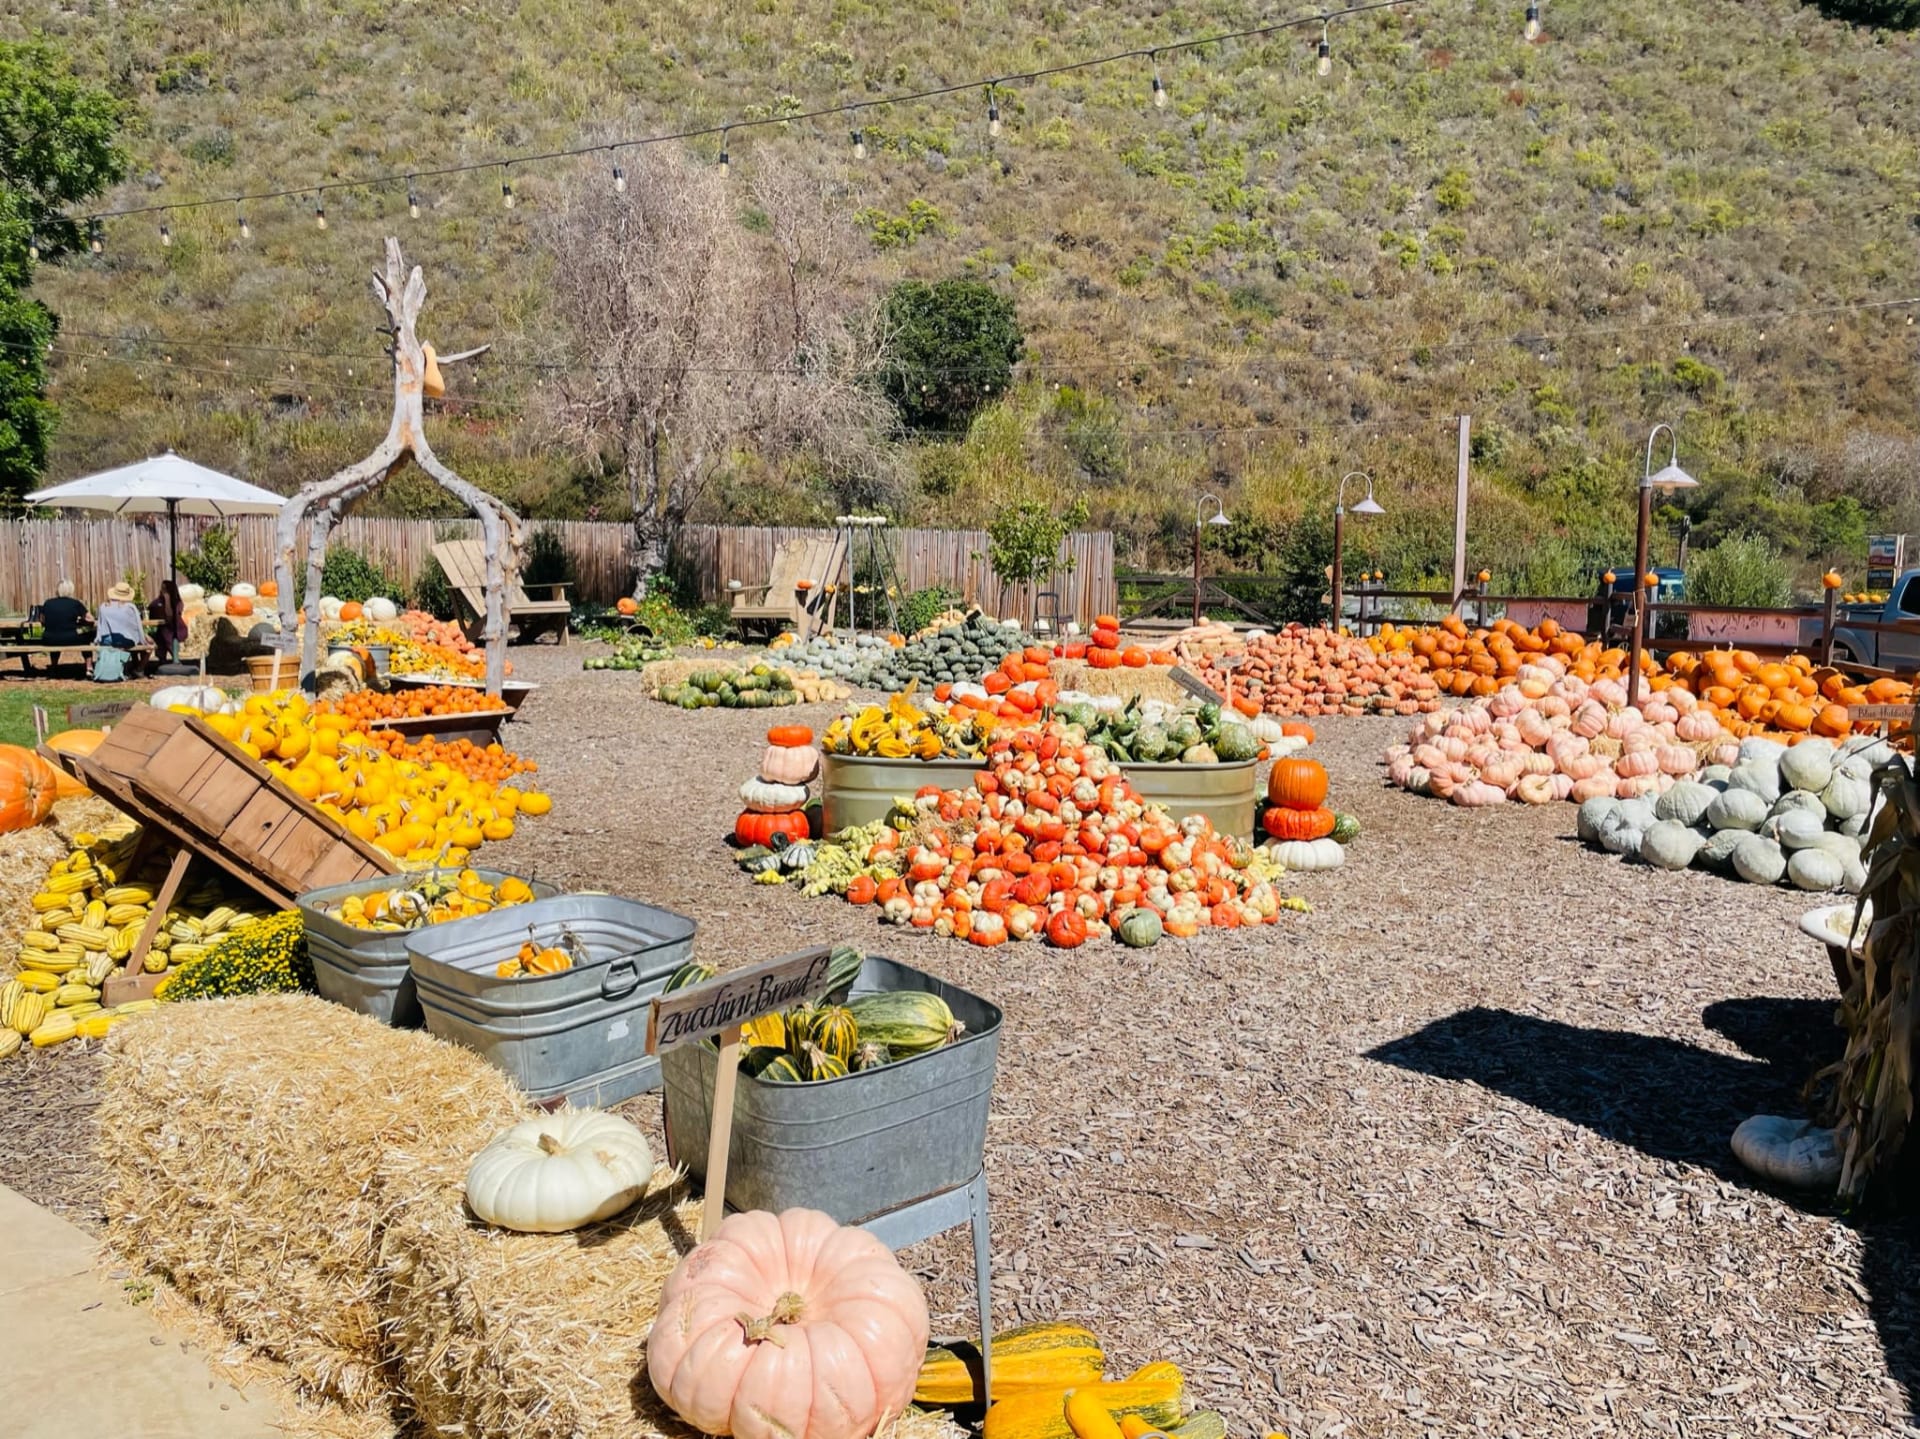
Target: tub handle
(620, 969)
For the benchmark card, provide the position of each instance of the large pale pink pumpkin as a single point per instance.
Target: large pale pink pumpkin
(788, 1327)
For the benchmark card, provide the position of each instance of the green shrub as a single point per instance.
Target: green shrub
(955, 343)
(212, 564)
(919, 608)
(350, 575)
(433, 592)
(1746, 570)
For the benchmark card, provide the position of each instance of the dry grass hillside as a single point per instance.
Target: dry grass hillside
(1645, 216)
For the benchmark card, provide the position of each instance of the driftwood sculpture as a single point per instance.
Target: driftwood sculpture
(414, 372)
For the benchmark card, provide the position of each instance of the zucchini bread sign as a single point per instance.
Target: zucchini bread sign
(730, 1000)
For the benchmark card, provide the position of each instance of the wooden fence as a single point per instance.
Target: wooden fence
(716, 554)
(36, 554)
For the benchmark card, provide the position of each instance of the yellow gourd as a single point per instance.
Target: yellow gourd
(1029, 1357)
(1088, 1417)
(1154, 1392)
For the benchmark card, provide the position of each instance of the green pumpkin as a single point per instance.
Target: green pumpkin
(1139, 929)
(1183, 733)
(834, 1031)
(781, 1069)
(1151, 743)
(1346, 829)
(1236, 743)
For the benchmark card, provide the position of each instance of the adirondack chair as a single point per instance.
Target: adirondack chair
(795, 594)
(465, 563)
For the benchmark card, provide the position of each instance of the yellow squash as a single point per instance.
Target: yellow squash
(1033, 1356)
(1154, 1392)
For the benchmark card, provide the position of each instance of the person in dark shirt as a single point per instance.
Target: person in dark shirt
(61, 618)
(167, 609)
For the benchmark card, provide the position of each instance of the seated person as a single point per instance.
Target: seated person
(61, 618)
(119, 623)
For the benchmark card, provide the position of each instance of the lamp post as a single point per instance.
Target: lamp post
(1671, 477)
(1219, 518)
(1366, 506)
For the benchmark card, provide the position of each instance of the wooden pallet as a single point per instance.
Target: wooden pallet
(190, 787)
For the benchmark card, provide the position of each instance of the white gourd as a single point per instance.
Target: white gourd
(1686, 803)
(1619, 834)
(1799, 801)
(1758, 860)
(1591, 816)
(1807, 766)
(1670, 845)
(1794, 830)
(1815, 869)
(1308, 855)
(559, 1172)
(1266, 729)
(1845, 846)
(1789, 1151)
(1736, 809)
(1870, 750)
(1715, 775)
(192, 594)
(765, 797)
(330, 607)
(381, 610)
(1759, 777)
(244, 591)
(216, 604)
(1848, 793)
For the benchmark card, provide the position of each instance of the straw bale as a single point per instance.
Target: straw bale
(27, 854)
(539, 1336)
(1149, 682)
(664, 674)
(241, 1139)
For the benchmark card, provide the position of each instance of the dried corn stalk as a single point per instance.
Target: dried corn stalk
(1874, 1091)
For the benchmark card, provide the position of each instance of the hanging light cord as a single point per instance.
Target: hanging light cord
(1319, 17)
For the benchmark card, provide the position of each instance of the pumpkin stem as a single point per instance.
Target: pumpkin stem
(548, 1144)
(787, 1309)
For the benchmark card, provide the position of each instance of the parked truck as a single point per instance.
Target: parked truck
(1897, 650)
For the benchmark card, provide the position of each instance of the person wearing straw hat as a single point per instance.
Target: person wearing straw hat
(118, 624)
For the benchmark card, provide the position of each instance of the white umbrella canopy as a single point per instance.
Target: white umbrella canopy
(165, 484)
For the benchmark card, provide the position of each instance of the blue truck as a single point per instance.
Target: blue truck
(1897, 650)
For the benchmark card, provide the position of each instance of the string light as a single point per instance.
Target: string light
(413, 199)
(96, 237)
(993, 114)
(859, 145)
(726, 161)
(246, 230)
(33, 247)
(1324, 65)
(319, 212)
(506, 188)
(1533, 19)
(166, 236)
(619, 179)
(1159, 90)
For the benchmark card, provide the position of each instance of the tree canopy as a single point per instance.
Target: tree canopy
(952, 346)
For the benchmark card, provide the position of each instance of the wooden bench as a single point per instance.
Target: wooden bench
(138, 655)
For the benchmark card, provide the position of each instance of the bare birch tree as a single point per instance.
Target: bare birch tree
(690, 336)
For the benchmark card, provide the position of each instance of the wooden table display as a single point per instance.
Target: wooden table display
(191, 787)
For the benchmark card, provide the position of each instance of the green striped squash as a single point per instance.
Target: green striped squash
(907, 1021)
(835, 1032)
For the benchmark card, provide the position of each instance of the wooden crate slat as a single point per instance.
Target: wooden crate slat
(251, 832)
(210, 765)
(338, 866)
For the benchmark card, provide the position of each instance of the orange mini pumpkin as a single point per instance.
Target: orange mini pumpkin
(239, 606)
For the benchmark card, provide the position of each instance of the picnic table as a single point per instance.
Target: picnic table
(18, 642)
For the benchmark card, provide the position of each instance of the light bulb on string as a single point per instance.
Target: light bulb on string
(1159, 90)
(166, 236)
(726, 158)
(96, 238)
(1533, 20)
(413, 199)
(619, 180)
(859, 145)
(993, 114)
(246, 230)
(1324, 65)
(33, 248)
(506, 189)
(319, 213)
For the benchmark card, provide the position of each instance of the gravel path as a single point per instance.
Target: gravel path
(1446, 1156)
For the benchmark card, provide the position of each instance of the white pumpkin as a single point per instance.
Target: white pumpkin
(1815, 869)
(244, 592)
(559, 1172)
(1266, 729)
(330, 609)
(382, 610)
(192, 594)
(764, 796)
(204, 698)
(1668, 844)
(1788, 1151)
(216, 604)
(1758, 860)
(1308, 855)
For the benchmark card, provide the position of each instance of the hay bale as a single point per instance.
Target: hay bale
(1149, 682)
(665, 674)
(538, 1336)
(27, 854)
(241, 1140)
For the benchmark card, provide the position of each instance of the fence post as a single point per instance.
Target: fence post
(1829, 596)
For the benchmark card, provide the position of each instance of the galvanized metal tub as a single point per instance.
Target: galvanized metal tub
(1224, 793)
(853, 1147)
(367, 969)
(857, 790)
(580, 1034)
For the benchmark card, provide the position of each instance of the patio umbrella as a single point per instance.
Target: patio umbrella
(163, 483)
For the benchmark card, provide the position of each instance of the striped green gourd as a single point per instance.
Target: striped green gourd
(835, 1032)
(906, 1021)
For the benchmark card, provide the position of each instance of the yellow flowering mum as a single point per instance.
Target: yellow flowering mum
(268, 956)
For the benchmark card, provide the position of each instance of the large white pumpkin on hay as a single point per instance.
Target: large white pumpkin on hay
(787, 1326)
(559, 1172)
(382, 610)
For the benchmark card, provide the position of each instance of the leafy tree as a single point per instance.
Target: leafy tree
(1882, 14)
(954, 344)
(1746, 570)
(57, 147)
(1024, 539)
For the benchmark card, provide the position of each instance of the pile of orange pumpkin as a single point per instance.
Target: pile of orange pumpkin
(1102, 649)
(1050, 841)
(1311, 672)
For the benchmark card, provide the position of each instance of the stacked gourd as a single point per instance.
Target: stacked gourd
(1303, 833)
(810, 1044)
(1048, 842)
(1309, 671)
(776, 797)
(1776, 814)
(1048, 1383)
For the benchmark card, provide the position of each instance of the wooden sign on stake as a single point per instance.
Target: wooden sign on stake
(724, 1005)
(1195, 686)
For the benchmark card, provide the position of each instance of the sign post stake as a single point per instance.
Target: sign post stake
(721, 1134)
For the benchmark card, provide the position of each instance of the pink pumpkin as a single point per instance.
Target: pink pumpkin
(788, 1327)
(1534, 789)
(789, 764)
(1477, 793)
(1583, 766)
(1590, 720)
(1637, 763)
(1676, 759)
(1609, 692)
(1598, 786)
(1726, 752)
(1697, 725)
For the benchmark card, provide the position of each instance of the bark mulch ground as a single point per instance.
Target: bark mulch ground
(1446, 1156)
